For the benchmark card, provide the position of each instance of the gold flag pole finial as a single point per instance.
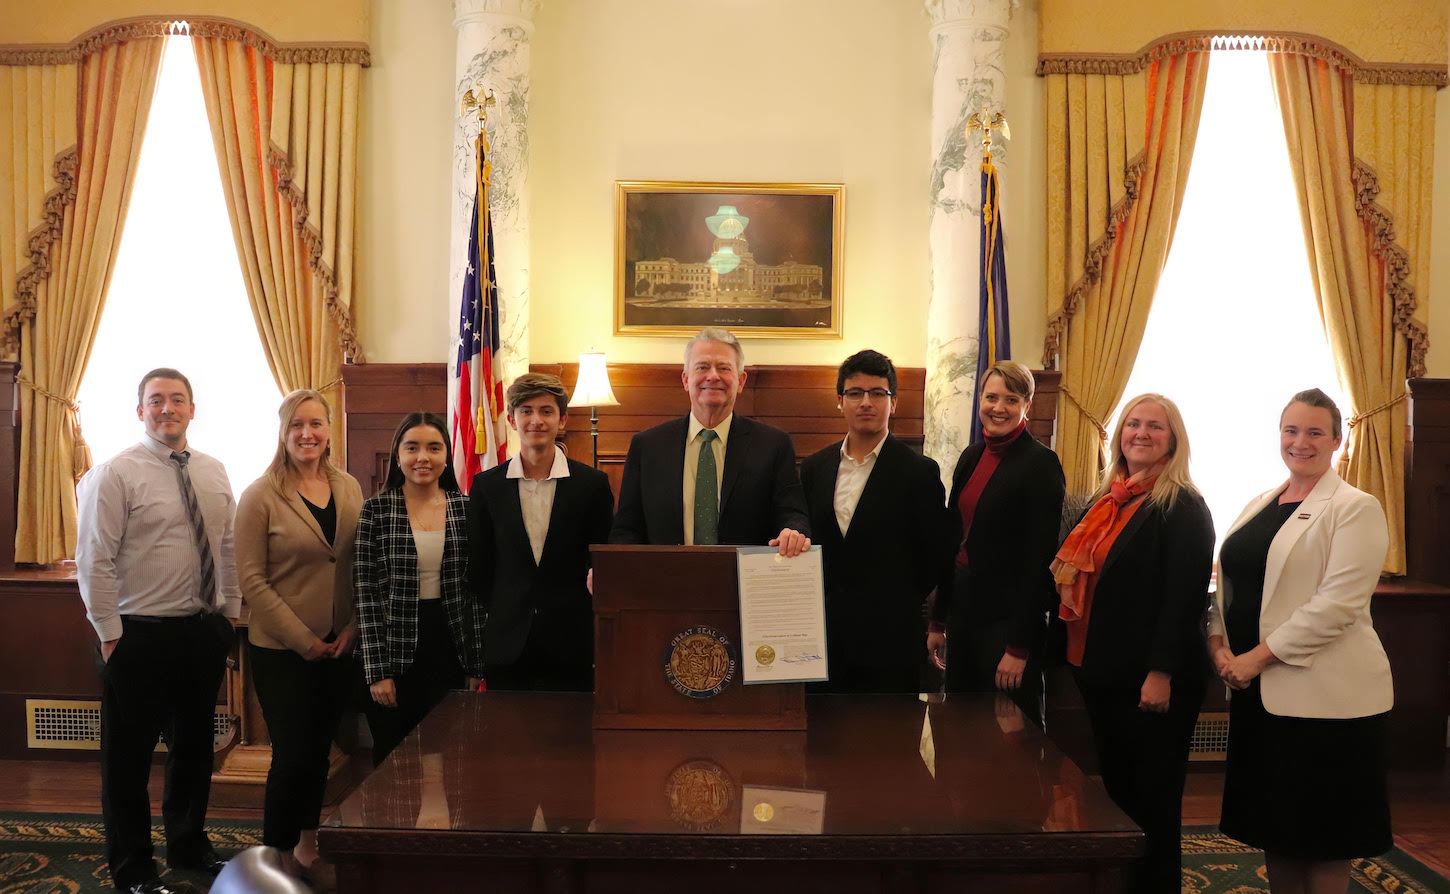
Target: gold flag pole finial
(476, 102)
(987, 121)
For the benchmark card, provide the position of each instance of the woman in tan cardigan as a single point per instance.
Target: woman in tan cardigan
(294, 541)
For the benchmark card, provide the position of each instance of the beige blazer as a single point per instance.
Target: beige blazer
(297, 587)
(1321, 573)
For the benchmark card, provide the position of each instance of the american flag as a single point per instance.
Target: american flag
(480, 438)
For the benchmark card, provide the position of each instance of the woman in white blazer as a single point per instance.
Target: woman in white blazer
(1290, 631)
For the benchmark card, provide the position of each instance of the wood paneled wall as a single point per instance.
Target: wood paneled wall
(1427, 481)
(798, 399)
(376, 396)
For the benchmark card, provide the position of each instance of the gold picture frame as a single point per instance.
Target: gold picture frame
(684, 258)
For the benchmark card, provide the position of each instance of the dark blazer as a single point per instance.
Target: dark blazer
(1013, 539)
(1151, 596)
(879, 573)
(515, 593)
(385, 584)
(760, 493)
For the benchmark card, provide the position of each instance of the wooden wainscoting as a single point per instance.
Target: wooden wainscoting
(799, 399)
(1427, 481)
(376, 396)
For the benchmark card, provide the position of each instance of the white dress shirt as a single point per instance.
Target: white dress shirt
(536, 498)
(851, 481)
(134, 549)
(692, 467)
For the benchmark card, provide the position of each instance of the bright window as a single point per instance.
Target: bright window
(1234, 331)
(177, 298)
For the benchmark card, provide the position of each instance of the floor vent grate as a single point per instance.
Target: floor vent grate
(1210, 738)
(76, 724)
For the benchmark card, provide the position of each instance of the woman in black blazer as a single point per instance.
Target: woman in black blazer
(1003, 516)
(418, 625)
(1132, 579)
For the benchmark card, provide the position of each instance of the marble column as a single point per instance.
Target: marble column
(493, 49)
(968, 39)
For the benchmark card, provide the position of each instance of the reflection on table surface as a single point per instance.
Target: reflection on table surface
(867, 765)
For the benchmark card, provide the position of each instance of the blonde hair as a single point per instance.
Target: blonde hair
(1016, 376)
(281, 472)
(1174, 477)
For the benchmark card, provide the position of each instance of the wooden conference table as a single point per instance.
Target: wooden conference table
(516, 792)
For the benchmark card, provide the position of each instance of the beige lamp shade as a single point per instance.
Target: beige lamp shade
(593, 388)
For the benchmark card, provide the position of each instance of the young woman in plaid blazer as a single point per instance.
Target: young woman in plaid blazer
(420, 629)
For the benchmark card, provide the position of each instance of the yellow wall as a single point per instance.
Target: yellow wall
(404, 167)
(812, 90)
(288, 21)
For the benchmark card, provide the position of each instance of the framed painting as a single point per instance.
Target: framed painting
(760, 259)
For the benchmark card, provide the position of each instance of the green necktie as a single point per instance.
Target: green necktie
(707, 493)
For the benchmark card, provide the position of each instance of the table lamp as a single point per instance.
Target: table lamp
(592, 389)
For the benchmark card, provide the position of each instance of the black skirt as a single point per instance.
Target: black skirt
(1305, 788)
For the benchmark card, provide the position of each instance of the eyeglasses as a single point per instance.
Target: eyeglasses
(856, 395)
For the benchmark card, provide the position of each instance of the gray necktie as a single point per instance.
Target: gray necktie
(707, 493)
(198, 529)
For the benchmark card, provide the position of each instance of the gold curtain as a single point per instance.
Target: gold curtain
(37, 181)
(286, 142)
(1118, 150)
(59, 297)
(1362, 157)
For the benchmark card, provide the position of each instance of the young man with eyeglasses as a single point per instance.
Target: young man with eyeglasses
(876, 509)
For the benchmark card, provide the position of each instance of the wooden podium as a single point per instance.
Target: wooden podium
(667, 645)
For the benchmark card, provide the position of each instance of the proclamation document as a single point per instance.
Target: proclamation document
(782, 616)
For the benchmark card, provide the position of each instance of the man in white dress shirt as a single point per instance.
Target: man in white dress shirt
(155, 565)
(533, 520)
(876, 510)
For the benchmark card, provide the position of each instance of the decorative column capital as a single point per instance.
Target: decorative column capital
(953, 15)
(498, 12)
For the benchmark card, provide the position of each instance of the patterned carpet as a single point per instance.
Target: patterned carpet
(1216, 864)
(63, 854)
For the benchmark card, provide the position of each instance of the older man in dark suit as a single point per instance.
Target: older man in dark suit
(712, 477)
(533, 520)
(876, 510)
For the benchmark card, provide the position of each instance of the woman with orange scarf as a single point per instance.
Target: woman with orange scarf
(1133, 581)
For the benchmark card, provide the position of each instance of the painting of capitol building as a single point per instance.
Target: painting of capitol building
(762, 263)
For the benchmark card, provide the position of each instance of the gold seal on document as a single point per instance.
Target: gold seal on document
(763, 812)
(700, 794)
(699, 662)
(764, 655)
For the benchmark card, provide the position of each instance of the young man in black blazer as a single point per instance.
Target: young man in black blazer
(876, 510)
(756, 495)
(532, 521)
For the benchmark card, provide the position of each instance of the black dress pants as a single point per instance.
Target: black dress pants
(435, 670)
(541, 668)
(302, 702)
(162, 680)
(973, 653)
(1144, 760)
